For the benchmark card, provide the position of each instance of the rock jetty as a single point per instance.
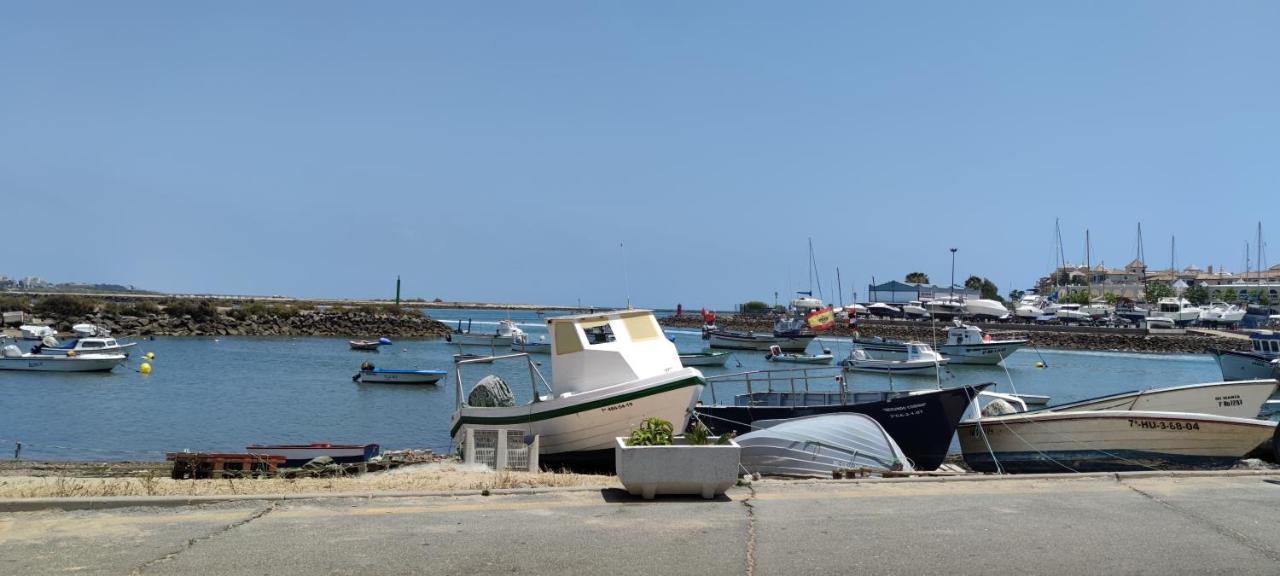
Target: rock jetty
(203, 318)
(1101, 339)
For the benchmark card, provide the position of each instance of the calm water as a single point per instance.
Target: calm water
(221, 394)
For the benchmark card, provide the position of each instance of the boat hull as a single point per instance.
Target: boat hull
(817, 446)
(818, 359)
(1109, 441)
(480, 340)
(761, 342)
(1237, 365)
(896, 367)
(380, 376)
(580, 431)
(922, 424)
(86, 363)
(882, 349)
(1237, 399)
(984, 353)
(704, 359)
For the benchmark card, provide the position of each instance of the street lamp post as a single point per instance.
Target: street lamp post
(953, 274)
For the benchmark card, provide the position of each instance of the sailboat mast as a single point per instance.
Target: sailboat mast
(1142, 276)
(839, 287)
(1088, 265)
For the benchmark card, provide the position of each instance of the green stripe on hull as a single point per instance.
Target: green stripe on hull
(567, 410)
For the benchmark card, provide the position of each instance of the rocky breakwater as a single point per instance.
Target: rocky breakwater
(1043, 337)
(356, 322)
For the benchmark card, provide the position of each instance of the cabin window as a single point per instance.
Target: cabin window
(92, 344)
(641, 328)
(567, 341)
(601, 334)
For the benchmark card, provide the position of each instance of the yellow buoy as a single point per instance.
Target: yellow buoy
(71, 352)
(1039, 364)
(151, 355)
(145, 368)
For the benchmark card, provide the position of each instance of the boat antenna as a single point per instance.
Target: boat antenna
(813, 273)
(1142, 257)
(626, 281)
(1088, 266)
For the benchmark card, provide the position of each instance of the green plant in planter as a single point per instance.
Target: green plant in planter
(653, 431)
(700, 435)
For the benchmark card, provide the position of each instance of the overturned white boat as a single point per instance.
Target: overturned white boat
(819, 445)
(609, 371)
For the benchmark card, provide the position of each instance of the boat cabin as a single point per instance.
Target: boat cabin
(965, 334)
(591, 351)
(1266, 342)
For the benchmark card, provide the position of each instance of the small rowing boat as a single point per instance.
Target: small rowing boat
(369, 345)
(369, 374)
(777, 355)
(704, 358)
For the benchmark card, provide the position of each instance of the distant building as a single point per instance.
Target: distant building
(894, 292)
(1130, 281)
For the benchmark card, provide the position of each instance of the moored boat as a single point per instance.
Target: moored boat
(522, 343)
(1262, 360)
(13, 359)
(368, 345)
(501, 336)
(921, 360)
(704, 358)
(777, 355)
(82, 346)
(967, 344)
(882, 310)
(788, 334)
(609, 372)
(370, 374)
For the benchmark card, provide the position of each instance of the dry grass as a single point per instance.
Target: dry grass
(446, 476)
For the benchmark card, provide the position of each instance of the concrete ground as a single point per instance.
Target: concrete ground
(1078, 525)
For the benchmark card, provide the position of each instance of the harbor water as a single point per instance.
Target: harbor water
(220, 394)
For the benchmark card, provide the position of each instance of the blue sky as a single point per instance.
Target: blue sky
(501, 151)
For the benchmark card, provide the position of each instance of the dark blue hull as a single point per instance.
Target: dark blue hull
(922, 424)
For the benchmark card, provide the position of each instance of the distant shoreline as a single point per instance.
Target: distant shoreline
(231, 299)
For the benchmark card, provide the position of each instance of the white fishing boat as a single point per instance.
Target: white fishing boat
(1262, 360)
(944, 308)
(1029, 308)
(777, 355)
(1237, 399)
(522, 343)
(11, 358)
(967, 344)
(1071, 314)
(1109, 440)
(882, 310)
(33, 332)
(704, 358)
(984, 309)
(81, 346)
(854, 311)
(374, 375)
(921, 360)
(1179, 310)
(788, 334)
(914, 310)
(1221, 314)
(609, 371)
(501, 336)
(816, 446)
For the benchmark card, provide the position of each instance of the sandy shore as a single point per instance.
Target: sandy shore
(84, 479)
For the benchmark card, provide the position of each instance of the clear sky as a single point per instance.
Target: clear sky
(501, 151)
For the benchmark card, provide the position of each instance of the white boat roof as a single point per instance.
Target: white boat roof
(591, 351)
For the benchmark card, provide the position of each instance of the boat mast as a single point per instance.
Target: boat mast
(839, 288)
(813, 273)
(1088, 266)
(1142, 274)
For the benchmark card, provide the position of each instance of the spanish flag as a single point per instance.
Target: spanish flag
(822, 319)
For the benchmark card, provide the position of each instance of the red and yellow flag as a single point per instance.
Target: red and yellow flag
(822, 319)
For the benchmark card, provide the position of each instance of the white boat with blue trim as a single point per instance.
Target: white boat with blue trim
(609, 371)
(920, 360)
(369, 374)
(1262, 360)
(11, 358)
(82, 346)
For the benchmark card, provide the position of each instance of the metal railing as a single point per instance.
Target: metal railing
(535, 375)
(788, 377)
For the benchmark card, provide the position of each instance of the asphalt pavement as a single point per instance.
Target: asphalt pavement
(1086, 525)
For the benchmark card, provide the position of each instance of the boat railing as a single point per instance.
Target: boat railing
(535, 375)
(778, 380)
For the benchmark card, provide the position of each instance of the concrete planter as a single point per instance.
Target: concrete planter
(677, 469)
